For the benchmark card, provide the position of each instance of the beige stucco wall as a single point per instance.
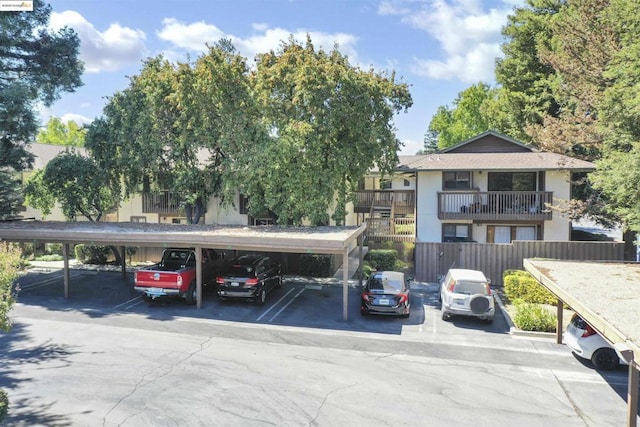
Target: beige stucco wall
(559, 227)
(428, 228)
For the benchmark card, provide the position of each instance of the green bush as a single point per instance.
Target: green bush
(316, 265)
(534, 317)
(53, 257)
(4, 405)
(53, 249)
(520, 284)
(382, 259)
(92, 254)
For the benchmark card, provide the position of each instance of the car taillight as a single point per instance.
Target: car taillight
(179, 281)
(488, 290)
(403, 298)
(251, 282)
(135, 276)
(450, 287)
(365, 296)
(588, 331)
(220, 280)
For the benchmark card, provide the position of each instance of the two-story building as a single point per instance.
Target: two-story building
(488, 189)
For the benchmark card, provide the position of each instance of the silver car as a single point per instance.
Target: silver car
(586, 343)
(466, 293)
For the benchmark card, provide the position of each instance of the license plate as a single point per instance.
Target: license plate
(235, 284)
(383, 301)
(458, 301)
(155, 291)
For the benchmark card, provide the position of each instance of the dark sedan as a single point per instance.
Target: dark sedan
(249, 276)
(386, 292)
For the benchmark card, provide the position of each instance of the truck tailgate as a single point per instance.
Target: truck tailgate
(157, 279)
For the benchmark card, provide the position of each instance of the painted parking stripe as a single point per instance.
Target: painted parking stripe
(274, 305)
(45, 282)
(138, 298)
(286, 305)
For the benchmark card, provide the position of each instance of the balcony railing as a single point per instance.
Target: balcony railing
(495, 205)
(402, 202)
(391, 229)
(164, 202)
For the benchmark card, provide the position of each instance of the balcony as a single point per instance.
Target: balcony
(400, 202)
(164, 202)
(391, 229)
(495, 205)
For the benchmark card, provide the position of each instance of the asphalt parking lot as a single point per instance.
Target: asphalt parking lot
(293, 361)
(294, 304)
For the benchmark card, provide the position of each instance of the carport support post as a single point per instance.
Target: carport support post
(65, 254)
(123, 254)
(559, 325)
(345, 284)
(198, 251)
(632, 394)
(360, 260)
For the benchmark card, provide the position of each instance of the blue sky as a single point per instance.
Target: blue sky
(438, 47)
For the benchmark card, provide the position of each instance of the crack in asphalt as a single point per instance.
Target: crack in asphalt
(142, 382)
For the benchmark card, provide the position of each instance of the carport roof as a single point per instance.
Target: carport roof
(323, 240)
(605, 294)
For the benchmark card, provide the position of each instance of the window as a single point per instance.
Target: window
(385, 184)
(456, 232)
(243, 204)
(511, 181)
(456, 180)
(138, 219)
(506, 233)
(407, 183)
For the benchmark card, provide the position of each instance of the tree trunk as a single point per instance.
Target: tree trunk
(117, 255)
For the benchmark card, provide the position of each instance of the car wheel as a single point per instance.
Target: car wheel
(605, 359)
(191, 296)
(262, 296)
(479, 304)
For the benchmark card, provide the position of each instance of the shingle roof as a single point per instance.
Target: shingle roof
(44, 153)
(493, 161)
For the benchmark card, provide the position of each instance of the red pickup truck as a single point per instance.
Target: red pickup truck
(175, 274)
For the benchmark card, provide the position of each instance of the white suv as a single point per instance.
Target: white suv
(467, 293)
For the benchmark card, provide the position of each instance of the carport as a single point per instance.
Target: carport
(607, 296)
(308, 240)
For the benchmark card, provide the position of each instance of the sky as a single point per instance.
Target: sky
(438, 47)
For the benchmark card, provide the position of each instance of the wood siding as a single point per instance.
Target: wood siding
(490, 144)
(434, 259)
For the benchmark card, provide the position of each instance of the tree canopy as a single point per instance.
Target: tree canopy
(36, 65)
(58, 133)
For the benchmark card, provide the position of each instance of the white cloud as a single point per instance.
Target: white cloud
(78, 118)
(109, 50)
(469, 36)
(194, 37)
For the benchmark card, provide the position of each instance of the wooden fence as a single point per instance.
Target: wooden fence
(434, 259)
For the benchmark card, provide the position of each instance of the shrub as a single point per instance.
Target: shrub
(534, 317)
(4, 405)
(92, 254)
(382, 259)
(53, 249)
(316, 265)
(520, 284)
(53, 257)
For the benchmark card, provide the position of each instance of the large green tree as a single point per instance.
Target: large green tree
(173, 127)
(36, 65)
(58, 133)
(330, 122)
(468, 117)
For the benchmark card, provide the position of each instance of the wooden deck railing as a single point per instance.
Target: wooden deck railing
(392, 229)
(402, 201)
(495, 205)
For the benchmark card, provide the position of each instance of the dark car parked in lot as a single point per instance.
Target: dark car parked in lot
(386, 292)
(249, 276)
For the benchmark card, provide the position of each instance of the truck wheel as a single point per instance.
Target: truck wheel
(262, 296)
(191, 296)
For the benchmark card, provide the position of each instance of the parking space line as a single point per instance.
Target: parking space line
(286, 305)
(45, 282)
(274, 305)
(115, 307)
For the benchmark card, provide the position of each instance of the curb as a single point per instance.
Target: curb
(514, 331)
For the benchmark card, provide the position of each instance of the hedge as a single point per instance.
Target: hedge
(4, 405)
(534, 317)
(92, 254)
(382, 259)
(520, 285)
(316, 265)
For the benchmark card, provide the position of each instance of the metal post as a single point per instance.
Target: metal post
(65, 254)
(198, 251)
(360, 258)
(559, 325)
(345, 284)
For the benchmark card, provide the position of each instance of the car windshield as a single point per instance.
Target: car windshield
(240, 270)
(385, 284)
(470, 288)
